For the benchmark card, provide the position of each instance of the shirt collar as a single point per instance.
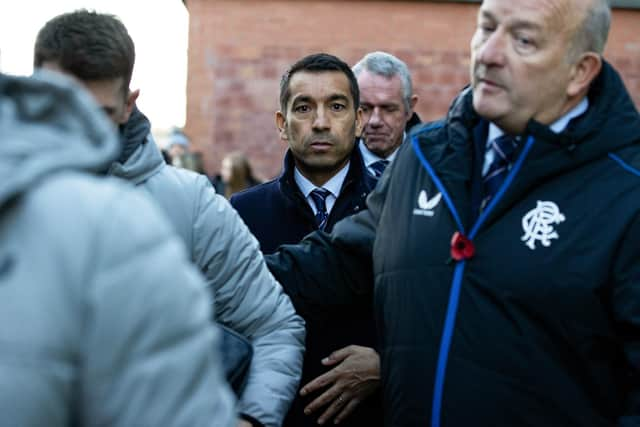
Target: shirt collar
(557, 126)
(334, 185)
(369, 158)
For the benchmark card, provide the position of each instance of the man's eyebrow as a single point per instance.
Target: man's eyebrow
(526, 25)
(302, 98)
(338, 97)
(487, 14)
(330, 98)
(516, 23)
(383, 104)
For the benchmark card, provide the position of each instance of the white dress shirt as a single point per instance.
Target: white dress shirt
(369, 158)
(334, 185)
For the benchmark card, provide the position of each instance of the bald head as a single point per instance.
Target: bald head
(592, 30)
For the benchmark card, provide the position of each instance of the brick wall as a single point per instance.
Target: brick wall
(238, 50)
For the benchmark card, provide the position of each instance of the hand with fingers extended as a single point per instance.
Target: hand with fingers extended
(355, 377)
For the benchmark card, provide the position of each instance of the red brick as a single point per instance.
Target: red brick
(240, 48)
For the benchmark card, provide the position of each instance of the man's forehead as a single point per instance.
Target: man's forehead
(319, 84)
(540, 11)
(375, 85)
(372, 79)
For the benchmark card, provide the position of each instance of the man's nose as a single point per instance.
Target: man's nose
(321, 120)
(375, 119)
(491, 51)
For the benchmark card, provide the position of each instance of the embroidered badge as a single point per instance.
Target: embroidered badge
(538, 224)
(426, 205)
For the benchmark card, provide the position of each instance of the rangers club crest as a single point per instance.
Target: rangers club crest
(538, 224)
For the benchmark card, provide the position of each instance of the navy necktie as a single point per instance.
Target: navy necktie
(319, 197)
(504, 148)
(379, 167)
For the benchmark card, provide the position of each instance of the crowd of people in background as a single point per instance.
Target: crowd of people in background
(481, 269)
(235, 174)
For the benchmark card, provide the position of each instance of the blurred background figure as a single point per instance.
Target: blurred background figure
(98, 51)
(178, 144)
(178, 152)
(95, 330)
(235, 175)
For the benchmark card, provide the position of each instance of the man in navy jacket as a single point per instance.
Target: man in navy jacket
(506, 303)
(323, 181)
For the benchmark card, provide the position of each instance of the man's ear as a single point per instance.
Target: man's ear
(412, 105)
(130, 103)
(359, 122)
(281, 124)
(583, 72)
(413, 101)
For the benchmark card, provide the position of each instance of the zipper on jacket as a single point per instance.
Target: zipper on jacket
(454, 294)
(624, 165)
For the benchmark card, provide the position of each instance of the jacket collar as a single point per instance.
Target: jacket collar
(610, 123)
(133, 133)
(355, 174)
(141, 158)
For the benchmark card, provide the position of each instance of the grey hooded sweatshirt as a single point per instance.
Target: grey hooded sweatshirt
(247, 297)
(93, 329)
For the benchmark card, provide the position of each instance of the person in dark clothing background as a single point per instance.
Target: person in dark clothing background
(387, 101)
(319, 119)
(501, 245)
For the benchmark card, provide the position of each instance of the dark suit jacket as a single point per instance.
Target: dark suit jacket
(277, 213)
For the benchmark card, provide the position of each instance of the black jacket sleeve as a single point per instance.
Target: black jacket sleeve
(626, 306)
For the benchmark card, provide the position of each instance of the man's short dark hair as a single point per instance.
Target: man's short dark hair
(89, 45)
(316, 63)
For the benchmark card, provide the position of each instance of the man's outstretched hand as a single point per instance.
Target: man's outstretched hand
(356, 376)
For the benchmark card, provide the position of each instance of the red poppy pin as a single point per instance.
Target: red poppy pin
(461, 247)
